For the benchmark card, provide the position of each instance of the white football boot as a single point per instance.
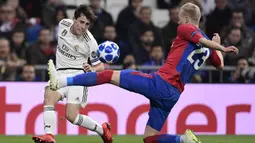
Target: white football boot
(189, 137)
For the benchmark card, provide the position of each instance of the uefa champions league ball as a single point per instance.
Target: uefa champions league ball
(108, 52)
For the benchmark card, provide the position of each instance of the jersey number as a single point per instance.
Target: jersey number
(202, 53)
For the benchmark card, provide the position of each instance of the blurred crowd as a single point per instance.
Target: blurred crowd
(28, 35)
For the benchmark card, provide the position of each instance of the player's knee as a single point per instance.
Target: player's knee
(71, 113)
(51, 97)
(115, 78)
(70, 116)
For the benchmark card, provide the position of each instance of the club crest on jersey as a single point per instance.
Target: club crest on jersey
(93, 54)
(76, 47)
(64, 32)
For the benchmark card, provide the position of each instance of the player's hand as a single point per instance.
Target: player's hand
(216, 38)
(231, 49)
(87, 67)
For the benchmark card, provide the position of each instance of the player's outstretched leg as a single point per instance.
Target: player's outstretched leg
(86, 79)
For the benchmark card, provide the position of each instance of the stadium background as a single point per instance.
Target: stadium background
(215, 103)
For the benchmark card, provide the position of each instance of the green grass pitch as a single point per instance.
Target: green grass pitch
(126, 139)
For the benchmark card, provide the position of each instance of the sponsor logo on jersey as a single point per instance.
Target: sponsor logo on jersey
(64, 51)
(64, 32)
(66, 23)
(94, 54)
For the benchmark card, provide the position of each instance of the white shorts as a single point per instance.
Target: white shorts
(75, 95)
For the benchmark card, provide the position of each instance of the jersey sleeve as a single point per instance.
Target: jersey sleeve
(189, 33)
(93, 47)
(215, 59)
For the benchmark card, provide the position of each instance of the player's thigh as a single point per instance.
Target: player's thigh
(51, 97)
(138, 82)
(77, 95)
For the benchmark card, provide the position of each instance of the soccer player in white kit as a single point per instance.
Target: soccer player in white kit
(75, 46)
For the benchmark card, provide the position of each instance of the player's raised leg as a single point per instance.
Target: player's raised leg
(127, 79)
(49, 117)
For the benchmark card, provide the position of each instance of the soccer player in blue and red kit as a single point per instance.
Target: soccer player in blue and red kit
(190, 50)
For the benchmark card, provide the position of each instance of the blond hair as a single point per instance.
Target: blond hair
(192, 11)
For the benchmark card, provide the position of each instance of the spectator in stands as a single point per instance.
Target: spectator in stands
(21, 14)
(169, 32)
(144, 21)
(218, 19)
(146, 41)
(43, 50)
(111, 35)
(242, 64)
(59, 15)
(18, 43)
(252, 58)
(48, 12)
(103, 16)
(156, 58)
(27, 73)
(126, 17)
(235, 38)
(33, 8)
(242, 5)
(9, 21)
(8, 61)
(237, 20)
(129, 62)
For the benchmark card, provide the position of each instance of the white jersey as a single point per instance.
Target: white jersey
(73, 51)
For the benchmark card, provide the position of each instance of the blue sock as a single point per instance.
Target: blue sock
(165, 138)
(85, 79)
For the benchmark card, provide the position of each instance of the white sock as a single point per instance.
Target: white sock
(50, 119)
(62, 81)
(87, 122)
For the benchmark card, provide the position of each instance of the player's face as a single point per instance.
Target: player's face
(81, 25)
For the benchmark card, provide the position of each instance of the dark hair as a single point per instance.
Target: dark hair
(146, 29)
(60, 9)
(237, 11)
(241, 58)
(155, 45)
(18, 30)
(85, 10)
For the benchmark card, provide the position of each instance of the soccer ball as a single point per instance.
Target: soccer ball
(108, 52)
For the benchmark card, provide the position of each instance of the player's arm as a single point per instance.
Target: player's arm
(191, 33)
(97, 65)
(216, 57)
